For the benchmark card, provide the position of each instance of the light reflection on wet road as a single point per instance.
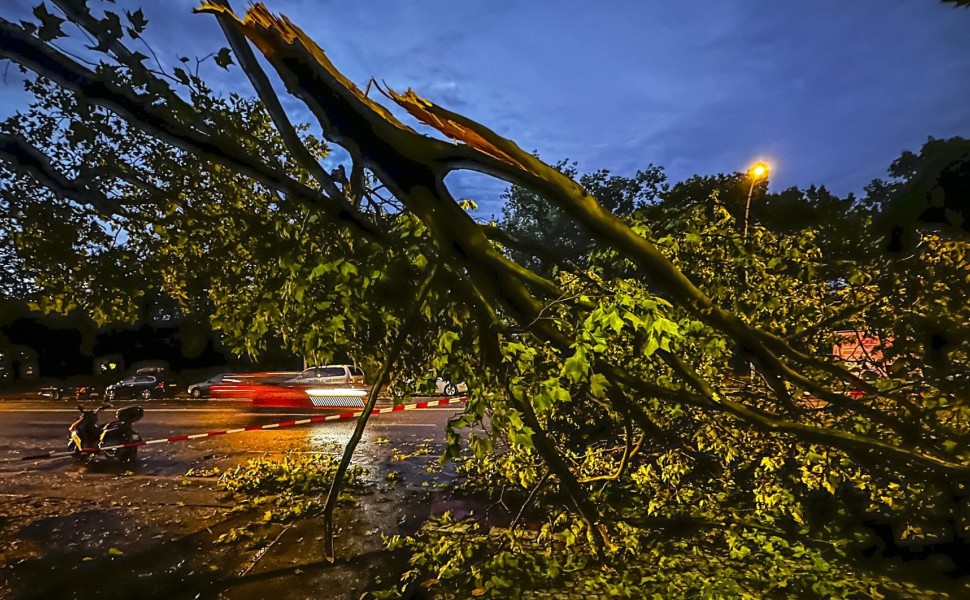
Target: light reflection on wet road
(37, 426)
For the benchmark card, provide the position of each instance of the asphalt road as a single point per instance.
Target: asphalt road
(35, 426)
(64, 527)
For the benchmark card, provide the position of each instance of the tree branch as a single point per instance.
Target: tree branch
(857, 446)
(33, 54)
(20, 154)
(547, 449)
(250, 66)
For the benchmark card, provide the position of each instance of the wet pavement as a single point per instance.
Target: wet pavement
(102, 531)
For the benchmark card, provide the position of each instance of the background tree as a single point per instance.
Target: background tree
(528, 217)
(928, 189)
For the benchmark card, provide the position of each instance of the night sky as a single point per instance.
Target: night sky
(828, 91)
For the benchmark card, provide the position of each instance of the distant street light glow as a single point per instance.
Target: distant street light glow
(758, 170)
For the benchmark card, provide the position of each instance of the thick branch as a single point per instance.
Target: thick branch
(858, 446)
(399, 157)
(24, 157)
(557, 465)
(488, 152)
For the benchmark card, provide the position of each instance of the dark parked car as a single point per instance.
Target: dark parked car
(201, 389)
(139, 385)
(70, 392)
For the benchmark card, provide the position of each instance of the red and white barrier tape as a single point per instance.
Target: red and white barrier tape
(280, 425)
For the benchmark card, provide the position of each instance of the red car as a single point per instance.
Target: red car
(244, 385)
(299, 396)
(281, 390)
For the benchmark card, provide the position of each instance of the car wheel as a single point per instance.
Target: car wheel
(451, 390)
(109, 395)
(146, 394)
(195, 392)
(56, 395)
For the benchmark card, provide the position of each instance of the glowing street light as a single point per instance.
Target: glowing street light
(758, 170)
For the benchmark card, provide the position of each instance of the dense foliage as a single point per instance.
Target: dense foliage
(696, 488)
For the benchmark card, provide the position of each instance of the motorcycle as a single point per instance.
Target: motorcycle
(85, 435)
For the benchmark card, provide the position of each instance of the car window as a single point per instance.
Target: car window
(356, 372)
(332, 372)
(144, 379)
(309, 373)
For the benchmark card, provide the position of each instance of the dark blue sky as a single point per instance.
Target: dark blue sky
(828, 91)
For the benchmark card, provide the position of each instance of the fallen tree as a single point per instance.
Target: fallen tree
(627, 347)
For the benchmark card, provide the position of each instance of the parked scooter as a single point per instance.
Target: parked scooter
(85, 434)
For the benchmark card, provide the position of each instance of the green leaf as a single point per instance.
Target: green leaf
(542, 402)
(320, 270)
(181, 75)
(597, 385)
(138, 22)
(223, 58)
(110, 29)
(348, 268)
(522, 436)
(50, 25)
(446, 340)
(615, 322)
(576, 366)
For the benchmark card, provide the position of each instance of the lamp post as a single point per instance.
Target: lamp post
(758, 170)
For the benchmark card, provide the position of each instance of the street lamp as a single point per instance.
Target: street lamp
(758, 170)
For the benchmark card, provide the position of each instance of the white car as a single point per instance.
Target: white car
(443, 387)
(330, 375)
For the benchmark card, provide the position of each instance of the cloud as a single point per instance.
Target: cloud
(833, 91)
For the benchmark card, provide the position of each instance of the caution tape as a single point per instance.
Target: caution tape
(280, 425)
